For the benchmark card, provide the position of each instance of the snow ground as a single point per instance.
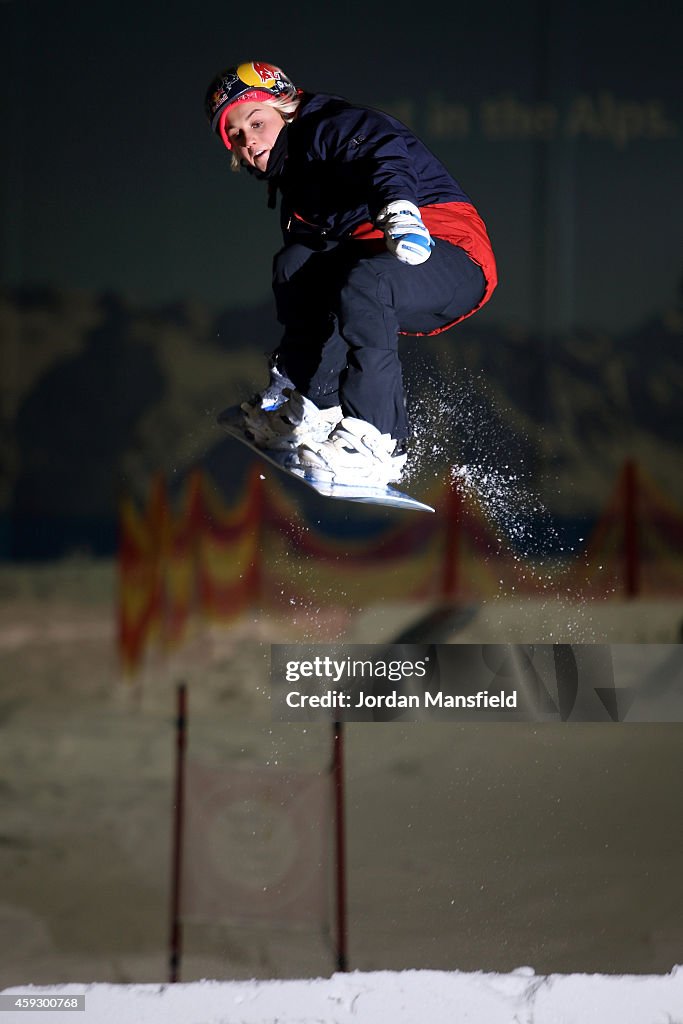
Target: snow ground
(471, 848)
(384, 997)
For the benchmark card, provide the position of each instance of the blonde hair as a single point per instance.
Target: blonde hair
(286, 106)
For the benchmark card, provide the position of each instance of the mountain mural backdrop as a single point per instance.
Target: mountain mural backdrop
(98, 394)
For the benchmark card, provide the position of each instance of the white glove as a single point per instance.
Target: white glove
(405, 234)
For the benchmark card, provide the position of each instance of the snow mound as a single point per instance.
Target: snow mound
(433, 997)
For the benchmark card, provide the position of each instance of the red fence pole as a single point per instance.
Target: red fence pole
(631, 536)
(178, 826)
(340, 844)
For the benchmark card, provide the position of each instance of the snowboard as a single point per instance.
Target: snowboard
(232, 421)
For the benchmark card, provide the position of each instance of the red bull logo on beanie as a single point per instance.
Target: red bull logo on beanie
(259, 74)
(235, 84)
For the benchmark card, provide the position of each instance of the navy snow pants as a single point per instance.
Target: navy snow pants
(343, 310)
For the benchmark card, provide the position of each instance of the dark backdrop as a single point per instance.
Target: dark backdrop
(562, 120)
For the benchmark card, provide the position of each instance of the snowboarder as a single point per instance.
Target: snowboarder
(379, 240)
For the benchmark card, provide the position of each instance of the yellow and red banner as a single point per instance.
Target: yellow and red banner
(209, 561)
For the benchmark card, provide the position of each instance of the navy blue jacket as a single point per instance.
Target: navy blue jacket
(344, 163)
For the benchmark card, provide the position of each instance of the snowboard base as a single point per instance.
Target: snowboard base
(232, 421)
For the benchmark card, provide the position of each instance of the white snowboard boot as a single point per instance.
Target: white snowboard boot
(275, 393)
(356, 453)
(295, 422)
